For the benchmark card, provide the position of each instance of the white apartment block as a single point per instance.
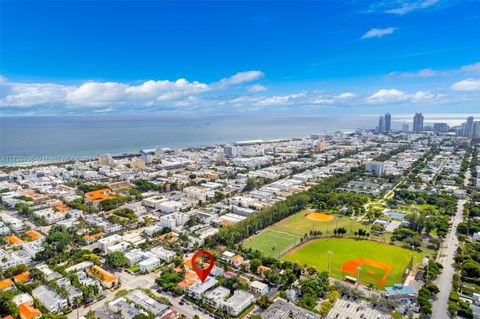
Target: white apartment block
(105, 242)
(376, 168)
(259, 288)
(50, 215)
(198, 289)
(149, 264)
(153, 202)
(216, 296)
(169, 206)
(173, 220)
(163, 254)
(49, 298)
(238, 302)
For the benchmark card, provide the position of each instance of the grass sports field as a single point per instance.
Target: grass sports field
(380, 264)
(271, 242)
(278, 238)
(300, 224)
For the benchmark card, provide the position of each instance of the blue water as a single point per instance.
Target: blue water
(26, 139)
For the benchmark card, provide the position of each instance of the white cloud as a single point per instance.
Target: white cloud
(471, 68)
(24, 95)
(422, 96)
(239, 78)
(424, 73)
(102, 94)
(347, 95)
(386, 96)
(392, 96)
(378, 33)
(273, 100)
(410, 6)
(186, 96)
(256, 88)
(467, 85)
(341, 99)
(107, 110)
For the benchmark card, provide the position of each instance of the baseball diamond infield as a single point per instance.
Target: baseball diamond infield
(319, 216)
(371, 262)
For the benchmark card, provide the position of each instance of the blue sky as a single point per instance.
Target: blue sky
(106, 57)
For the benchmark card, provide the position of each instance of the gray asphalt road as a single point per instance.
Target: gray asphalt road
(445, 257)
(140, 281)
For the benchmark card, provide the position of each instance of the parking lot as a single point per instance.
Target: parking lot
(353, 308)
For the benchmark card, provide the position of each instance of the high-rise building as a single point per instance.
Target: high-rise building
(405, 127)
(320, 145)
(418, 123)
(462, 131)
(439, 128)
(476, 130)
(377, 168)
(159, 153)
(229, 151)
(381, 125)
(469, 127)
(106, 160)
(388, 122)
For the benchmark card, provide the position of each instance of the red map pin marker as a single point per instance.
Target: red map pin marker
(202, 273)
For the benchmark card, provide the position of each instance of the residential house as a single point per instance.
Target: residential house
(94, 198)
(238, 302)
(198, 289)
(72, 292)
(6, 284)
(215, 297)
(28, 311)
(259, 288)
(149, 264)
(146, 302)
(49, 298)
(106, 279)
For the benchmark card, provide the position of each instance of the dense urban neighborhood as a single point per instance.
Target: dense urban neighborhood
(368, 224)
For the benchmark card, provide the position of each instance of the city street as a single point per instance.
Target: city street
(143, 281)
(445, 257)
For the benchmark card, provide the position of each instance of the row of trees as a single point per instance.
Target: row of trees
(234, 234)
(445, 203)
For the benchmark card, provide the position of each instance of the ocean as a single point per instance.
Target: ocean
(29, 139)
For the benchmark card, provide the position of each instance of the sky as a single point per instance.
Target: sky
(226, 57)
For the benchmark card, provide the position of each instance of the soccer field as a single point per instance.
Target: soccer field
(271, 242)
(376, 263)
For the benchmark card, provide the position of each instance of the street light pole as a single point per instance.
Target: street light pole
(330, 261)
(358, 274)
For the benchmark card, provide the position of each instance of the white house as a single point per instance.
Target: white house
(173, 220)
(149, 264)
(163, 254)
(476, 236)
(238, 302)
(169, 206)
(49, 298)
(153, 202)
(198, 289)
(216, 296)
(109, 241)
(259, 288)
(134, 256)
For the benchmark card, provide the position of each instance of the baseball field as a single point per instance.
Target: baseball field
(280, 237)
(368, 261)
